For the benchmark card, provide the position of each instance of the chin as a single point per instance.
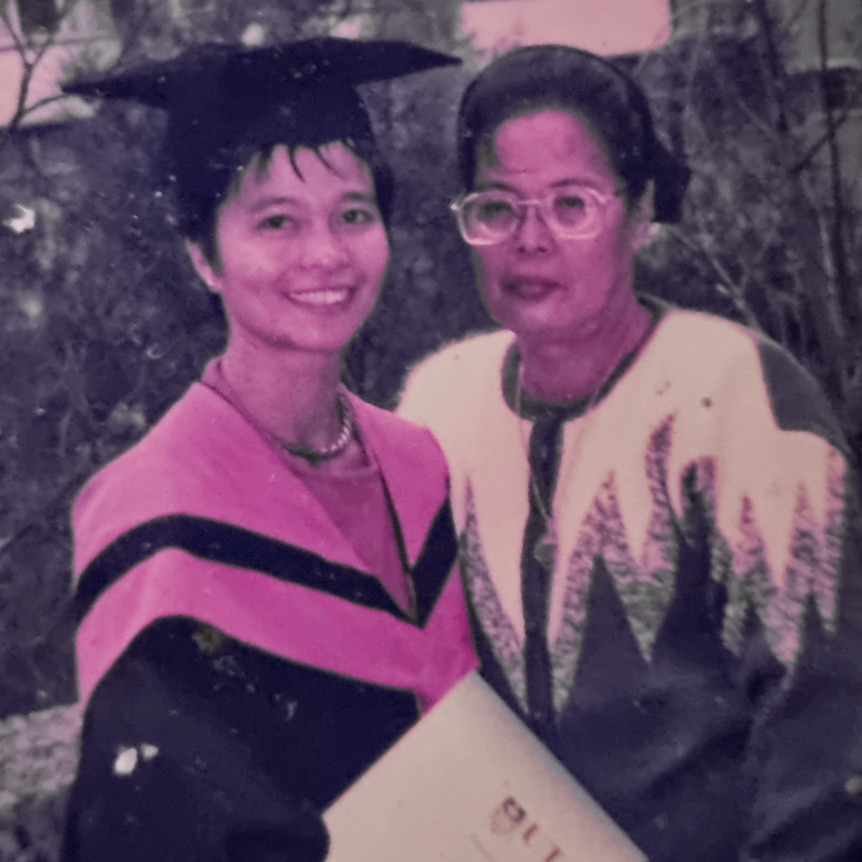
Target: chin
(307, 341)
(533, 322)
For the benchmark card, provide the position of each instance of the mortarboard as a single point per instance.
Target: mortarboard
(221, 96)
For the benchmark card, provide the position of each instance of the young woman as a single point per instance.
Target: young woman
(264, 582)
(660, 540)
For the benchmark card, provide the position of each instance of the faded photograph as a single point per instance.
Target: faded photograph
(431, 430)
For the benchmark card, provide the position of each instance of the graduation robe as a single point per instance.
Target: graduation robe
(240, 666)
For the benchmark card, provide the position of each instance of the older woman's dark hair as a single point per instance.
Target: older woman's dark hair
(555, 76)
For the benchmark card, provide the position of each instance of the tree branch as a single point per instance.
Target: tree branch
(836, 237)
(727, 285)
(839, 118)
(774, 81)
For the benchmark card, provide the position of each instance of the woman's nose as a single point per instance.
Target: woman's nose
(323, 249)
(533, 234)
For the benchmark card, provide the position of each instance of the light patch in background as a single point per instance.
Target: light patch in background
(31, 305)
(254, 35)
(351, 27)
(608, 27)
(24, 219)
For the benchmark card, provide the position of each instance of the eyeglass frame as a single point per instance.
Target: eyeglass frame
(542, 208)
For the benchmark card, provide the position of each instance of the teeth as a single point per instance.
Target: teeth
(321, 298)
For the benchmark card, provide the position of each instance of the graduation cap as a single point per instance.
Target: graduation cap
(226, 102)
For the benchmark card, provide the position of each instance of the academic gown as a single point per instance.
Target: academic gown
(240, 665)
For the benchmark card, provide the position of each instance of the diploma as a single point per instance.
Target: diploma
(470, 783)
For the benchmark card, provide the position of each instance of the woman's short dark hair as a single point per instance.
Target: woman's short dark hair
(555, 76)
(198, 206)
(229, 105)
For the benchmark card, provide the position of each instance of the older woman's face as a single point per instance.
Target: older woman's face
(302, 250)
(535, 283)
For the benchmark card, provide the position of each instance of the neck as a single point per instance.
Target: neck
(291, 394)
(560, 371)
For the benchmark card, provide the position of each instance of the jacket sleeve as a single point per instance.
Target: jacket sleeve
(805, 753)
(162, 777)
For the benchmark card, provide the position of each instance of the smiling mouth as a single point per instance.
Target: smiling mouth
(328, 297)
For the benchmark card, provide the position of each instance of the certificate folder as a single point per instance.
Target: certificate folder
(470, 783)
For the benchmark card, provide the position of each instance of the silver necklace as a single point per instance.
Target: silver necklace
(317, 456)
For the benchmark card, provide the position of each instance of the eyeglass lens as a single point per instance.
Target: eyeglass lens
(496, 215)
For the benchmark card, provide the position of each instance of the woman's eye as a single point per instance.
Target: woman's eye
(570, 209)
(274, 222)
(495, 211)
(570, 202)
(358, 216)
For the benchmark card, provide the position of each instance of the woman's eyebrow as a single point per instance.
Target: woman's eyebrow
(588, 182)
(363, 197)
(495, 184)
(271, 201)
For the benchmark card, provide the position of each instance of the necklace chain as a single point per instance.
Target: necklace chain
(546, 547)
(316, 456)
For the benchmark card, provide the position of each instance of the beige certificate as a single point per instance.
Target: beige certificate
(470, 783)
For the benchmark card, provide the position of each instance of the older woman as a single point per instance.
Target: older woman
(660, 551)
(263, 582)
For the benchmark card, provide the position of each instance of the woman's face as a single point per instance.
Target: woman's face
(535, 283)
(302, 250)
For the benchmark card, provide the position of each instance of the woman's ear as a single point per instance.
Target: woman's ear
(643, 229)
(208, 273)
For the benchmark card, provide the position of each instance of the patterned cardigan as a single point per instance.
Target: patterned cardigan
(692, 652)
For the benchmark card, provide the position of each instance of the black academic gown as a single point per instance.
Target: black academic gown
(239, 664)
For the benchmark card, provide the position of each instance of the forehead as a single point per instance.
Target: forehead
(305, 173)
(549, 141)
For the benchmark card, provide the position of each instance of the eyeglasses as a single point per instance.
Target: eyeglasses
(491, 217)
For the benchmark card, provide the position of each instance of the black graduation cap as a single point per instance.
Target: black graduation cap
(219, 96)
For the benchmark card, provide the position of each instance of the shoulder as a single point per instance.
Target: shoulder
(797, 400)
(169, 471)
(718, 344)
(174, 441)
(484, 351)
(747, 364)
(458, 371)
(715, 342)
